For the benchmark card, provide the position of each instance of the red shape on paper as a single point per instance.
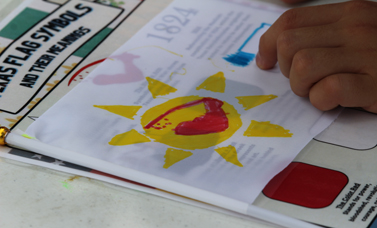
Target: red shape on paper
(82, 69)
(306, 185)
(213, 121)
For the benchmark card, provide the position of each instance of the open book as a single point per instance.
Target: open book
(182, 107)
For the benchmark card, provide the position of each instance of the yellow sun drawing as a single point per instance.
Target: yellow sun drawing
(193, 122)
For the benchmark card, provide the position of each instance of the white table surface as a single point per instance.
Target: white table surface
(32, 196)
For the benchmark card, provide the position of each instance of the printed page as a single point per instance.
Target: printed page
(43, 43)
(183, 100)
(47, 48)
(70, 70)
(101, 47)
(332, 181)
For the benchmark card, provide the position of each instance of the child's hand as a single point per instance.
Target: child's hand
(293, 1)
(328, 52)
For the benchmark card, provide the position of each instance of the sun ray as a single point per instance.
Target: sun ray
(173, 156)
(128, 138)
(249, 102)
(122, 110)
(229, 153)
(158, 88)
(184, 73)
(266, 129)
(214, 83)
(213, 63)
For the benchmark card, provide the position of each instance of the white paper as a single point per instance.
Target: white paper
(174, 69)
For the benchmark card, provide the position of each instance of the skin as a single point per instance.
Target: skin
(293, 1)
(328, 52)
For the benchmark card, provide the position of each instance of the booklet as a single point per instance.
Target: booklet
(184, 101)
(182, 107)
(70, 74)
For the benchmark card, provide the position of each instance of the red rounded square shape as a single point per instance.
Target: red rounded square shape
(306, 185)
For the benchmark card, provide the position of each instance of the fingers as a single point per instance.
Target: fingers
(292, 19)
(327, 52)
(292, 41)
(347, 90)
(371, 108)
(294, 1)
(312, 65)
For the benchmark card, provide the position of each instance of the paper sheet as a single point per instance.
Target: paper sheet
(184, 100)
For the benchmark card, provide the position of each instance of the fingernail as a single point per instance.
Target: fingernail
(259, 61)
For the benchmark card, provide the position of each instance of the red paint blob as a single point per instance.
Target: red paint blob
(306, 185)
(213, 121)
